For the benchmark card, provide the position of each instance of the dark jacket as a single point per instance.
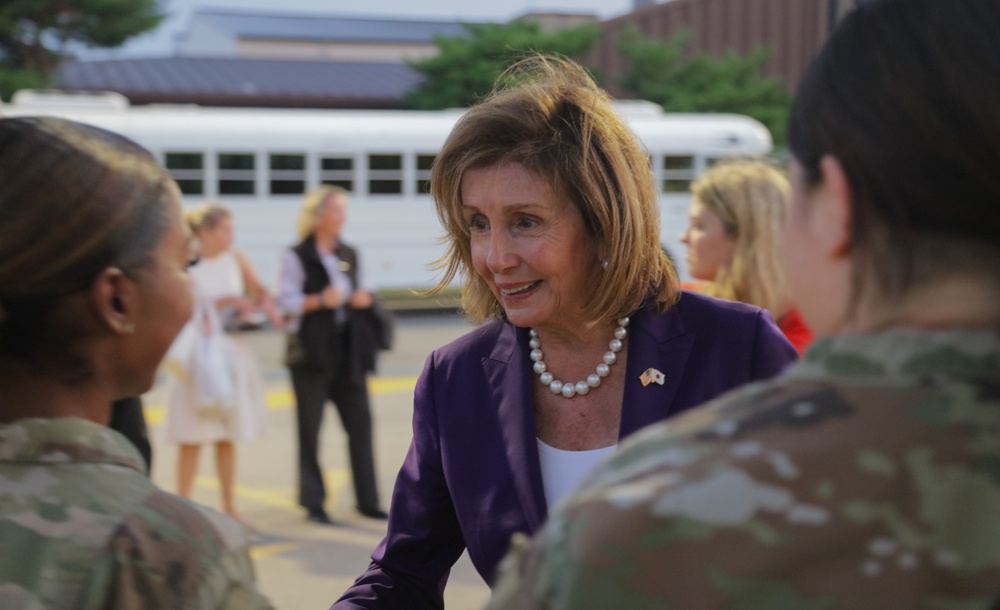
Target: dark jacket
(368, 330)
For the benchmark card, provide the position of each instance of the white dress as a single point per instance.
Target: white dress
(212, 279)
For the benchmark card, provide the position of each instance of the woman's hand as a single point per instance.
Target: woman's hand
(331, 298)
(241, 304)
(361, 299)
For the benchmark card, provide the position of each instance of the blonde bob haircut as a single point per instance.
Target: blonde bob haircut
(208, 215)
(750, 198)
(310, 208)
(548, 115)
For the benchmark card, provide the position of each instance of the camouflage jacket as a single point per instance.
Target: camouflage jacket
(82, 528)
(866, 476)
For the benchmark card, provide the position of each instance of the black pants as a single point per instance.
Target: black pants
(312, 389)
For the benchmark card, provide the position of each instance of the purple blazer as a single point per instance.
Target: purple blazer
(472, 477)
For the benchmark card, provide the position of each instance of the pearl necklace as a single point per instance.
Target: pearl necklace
(569, 390)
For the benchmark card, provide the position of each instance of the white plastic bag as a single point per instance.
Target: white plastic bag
(203, 356)
(215, 385)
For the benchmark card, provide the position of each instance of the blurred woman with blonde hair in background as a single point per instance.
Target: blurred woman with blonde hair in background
(330, 351)
(223, 279)
(733, 239)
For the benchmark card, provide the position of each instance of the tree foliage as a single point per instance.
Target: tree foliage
(465, 68)
(36, 35)
(663, 71)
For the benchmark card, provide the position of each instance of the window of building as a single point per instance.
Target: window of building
(288, 174)
(711, 162)
(678, 172)
(424, 163)
(385, 174)
(188, 170)
(337, 170)
(236, 174)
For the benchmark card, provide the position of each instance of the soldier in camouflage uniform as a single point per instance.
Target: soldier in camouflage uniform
(868, 475)
(76, 491)
(93, 289)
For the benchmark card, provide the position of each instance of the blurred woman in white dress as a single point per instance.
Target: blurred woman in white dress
(223, 278)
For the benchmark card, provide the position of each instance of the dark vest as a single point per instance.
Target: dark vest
(317, 329)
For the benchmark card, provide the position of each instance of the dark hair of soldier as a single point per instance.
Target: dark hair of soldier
(901, 97)
(74, 200)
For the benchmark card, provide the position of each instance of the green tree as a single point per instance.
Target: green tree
(37, 35)
(663, 71)
(465, 68)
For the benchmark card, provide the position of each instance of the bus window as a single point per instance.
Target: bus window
(288, 174)
(678, 172)
(338, 171)
(712, 161)
(236, 174)
(385, 174)
(424, 163)
(188, 170)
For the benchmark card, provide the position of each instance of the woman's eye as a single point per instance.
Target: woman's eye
(477, 223)
(526, 222)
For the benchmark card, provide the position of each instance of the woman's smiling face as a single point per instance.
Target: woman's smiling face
(530, 246)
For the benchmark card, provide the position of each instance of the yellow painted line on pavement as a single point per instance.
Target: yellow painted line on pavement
(264, 550)
(336, 481)
(279, 399)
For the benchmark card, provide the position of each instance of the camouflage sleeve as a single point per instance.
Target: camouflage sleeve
(516, 583)
(174, 554)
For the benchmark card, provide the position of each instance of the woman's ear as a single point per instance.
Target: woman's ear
(833, 208)
(115, 299)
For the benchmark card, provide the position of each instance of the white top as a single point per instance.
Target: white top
(563, 471)
(217, 277)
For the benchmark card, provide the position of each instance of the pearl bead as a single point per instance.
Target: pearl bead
(570, 389)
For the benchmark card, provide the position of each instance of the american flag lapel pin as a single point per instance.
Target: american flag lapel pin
(651, 375)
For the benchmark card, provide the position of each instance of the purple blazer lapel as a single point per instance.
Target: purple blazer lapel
(509, 378)
(659, 342)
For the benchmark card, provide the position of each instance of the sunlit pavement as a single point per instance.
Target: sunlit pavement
(303, 565)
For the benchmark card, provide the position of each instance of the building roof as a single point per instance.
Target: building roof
(244, 82)
(324, 26)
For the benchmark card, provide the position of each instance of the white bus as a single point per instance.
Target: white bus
(259, 162)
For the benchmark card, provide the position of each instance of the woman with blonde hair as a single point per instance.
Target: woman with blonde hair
(330, 352)
(222, 279)
(736, 217)
(547, 200)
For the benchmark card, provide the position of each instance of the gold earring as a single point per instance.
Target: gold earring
(128, 328)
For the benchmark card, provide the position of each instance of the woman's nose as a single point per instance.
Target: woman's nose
(501, 255)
